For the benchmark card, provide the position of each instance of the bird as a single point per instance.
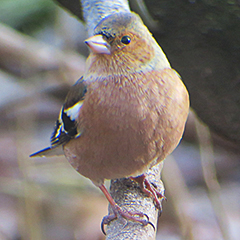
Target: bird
(125, 114)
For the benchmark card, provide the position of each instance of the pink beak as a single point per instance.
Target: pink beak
(98, 44)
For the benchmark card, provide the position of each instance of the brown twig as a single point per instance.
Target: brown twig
(29, 56)
(210, 177)
(180, 196)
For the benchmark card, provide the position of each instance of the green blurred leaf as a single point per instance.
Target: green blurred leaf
(26, 14)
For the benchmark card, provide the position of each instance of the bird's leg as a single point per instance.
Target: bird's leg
(149, 189)
(117, 211)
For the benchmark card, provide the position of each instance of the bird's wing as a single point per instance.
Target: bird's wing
(66, 127)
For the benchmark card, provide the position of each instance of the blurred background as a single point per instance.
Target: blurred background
(41, 55)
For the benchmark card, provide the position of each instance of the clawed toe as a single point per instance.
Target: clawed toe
(132, 216)
(117, 211)
(106, 220)
(150, 189)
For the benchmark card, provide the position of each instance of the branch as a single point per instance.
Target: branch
(29, 56)
(94, 11)
(210, 177)
(129, 197)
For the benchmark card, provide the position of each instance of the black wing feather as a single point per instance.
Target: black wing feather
(66, 125)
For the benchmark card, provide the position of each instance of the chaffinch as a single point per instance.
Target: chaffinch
(126, 114)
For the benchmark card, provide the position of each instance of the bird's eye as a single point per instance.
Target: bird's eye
(126, 40)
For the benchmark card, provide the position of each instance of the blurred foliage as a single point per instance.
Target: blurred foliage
(27, 15)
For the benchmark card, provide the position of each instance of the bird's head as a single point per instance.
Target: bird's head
(122, 39)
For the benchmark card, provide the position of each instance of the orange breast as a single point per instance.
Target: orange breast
(128, 122)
